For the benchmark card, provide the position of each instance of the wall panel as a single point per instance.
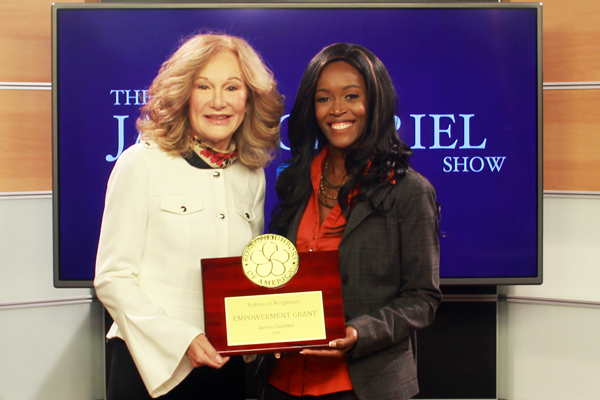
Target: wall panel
(571, 252)
(47, 350)
(571, 37)
(52, 353)
(571, 34)
(26, 253)
(25, 116)
(572, 140)
(25, 140)
(25, 40)
(548, 352)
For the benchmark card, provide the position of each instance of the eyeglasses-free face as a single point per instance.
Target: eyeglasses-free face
(341, 104)
(218, 101)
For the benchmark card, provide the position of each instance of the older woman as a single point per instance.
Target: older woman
(193, 188)
(358, 195)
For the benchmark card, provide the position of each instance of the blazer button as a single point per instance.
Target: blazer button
(345, 279)
(221, 216)
(216, 174)
(247, 216)
(183, 209)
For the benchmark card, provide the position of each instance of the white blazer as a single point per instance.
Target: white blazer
(161, 217)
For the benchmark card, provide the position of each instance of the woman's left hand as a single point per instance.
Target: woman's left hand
(339, 347)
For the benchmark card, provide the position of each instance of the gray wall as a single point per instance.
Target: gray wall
(549, 335)
(51, 340)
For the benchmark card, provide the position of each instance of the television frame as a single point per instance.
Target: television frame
(62, 283)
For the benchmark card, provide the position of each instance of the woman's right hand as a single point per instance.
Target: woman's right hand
(200, 352)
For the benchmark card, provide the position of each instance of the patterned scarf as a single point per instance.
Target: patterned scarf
(213, 157)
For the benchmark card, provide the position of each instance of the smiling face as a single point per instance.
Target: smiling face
(218, 101)
(341, 104)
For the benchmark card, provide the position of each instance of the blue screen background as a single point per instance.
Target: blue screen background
(453, 63)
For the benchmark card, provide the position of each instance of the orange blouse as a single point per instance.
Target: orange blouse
(296, 374)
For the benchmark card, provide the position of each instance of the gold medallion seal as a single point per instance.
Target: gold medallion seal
(270, 260)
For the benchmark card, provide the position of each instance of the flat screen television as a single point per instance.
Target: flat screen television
(469, 82)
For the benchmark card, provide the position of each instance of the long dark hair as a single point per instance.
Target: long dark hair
(379, 147)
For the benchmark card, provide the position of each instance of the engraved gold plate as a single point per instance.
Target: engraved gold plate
(241, 317)
(274, 318)
(270, 260)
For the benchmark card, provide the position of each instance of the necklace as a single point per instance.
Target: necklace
(326, 184)
(324, 175)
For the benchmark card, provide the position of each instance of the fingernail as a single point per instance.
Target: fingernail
(332, 344)
(219, 359)
(277, 355)
(302, 352)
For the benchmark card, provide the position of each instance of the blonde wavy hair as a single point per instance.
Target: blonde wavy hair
(165, 117)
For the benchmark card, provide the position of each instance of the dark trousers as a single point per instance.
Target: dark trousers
(125, 382)
(272, 393)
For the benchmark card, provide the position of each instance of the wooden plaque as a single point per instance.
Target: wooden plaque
(224, 279)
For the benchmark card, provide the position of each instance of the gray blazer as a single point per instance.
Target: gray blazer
(389, 266)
